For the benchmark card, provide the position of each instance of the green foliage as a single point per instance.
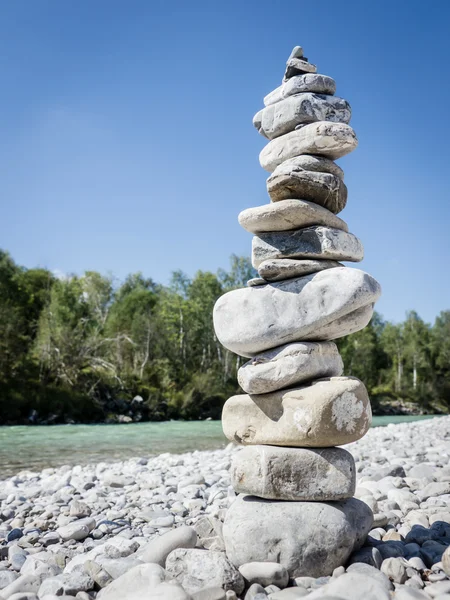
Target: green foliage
(84, 349)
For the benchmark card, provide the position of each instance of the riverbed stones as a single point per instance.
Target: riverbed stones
(250, 320)
(311, 242)
(278, 269)
(278, 473)
(282, 117)
(328, 412)
(307, 538)
(291, 180)
(289, 365)
(288, 214)
(331, 140)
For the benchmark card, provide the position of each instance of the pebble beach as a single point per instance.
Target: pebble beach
(152, 528)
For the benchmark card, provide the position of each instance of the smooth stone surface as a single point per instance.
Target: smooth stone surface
(291, 180)
(159, 548)
(77, 530)
(286, 215)
(248, 321)
(282, 117)
(309, 82)
(279, 269)
(312, 242)
(303, 474)
(136, 583)
(196, 569)
(256, 281)
(329, 412)
(265, 573)
(289, 365)
(332, 140)
(353, 586)
(307, 538)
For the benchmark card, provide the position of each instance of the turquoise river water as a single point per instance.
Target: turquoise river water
(39, 446)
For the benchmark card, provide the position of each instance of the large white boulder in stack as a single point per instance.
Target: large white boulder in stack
(295, 505)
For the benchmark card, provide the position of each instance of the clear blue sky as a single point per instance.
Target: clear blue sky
(127, 141)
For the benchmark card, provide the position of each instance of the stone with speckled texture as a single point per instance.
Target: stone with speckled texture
(284, 116)
(326, 474)
(331, 140)
(328, 412)
(309, 82)
(325, 243)
(307, 538)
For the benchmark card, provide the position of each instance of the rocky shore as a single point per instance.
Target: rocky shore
(152, 528)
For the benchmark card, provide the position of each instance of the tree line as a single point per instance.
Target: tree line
(89, 349)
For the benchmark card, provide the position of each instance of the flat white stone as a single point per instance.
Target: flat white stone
(307, 538)
(250, 320)
(278, 269)
(303, 474)
(331, 140)
(311, 242)
(327, 412)
(284, 116)
(286, 215)
(290, 365)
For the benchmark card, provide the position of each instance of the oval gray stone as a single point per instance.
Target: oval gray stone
(278, 269)
(307, 538)
(289, 181)
(309, 82)
(290, 365)
(287, 215)
(302, 474)
(311, 242)
(328, 412)
(331, 140)
(250, 320)
(283, 117)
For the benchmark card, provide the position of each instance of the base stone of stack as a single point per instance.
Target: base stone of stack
(288, 214)
(302, 474)
(279, 269)
(311, 242)
(328, 412)
(290, 365)
(307, 538)
(331, 140)
(254, 319)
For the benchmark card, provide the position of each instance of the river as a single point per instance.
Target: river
(40, 446)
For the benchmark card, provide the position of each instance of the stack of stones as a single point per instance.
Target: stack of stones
(295, 503)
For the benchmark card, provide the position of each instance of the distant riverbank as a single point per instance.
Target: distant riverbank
(38, 447)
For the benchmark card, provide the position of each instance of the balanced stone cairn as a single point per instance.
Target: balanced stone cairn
(295, 504)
